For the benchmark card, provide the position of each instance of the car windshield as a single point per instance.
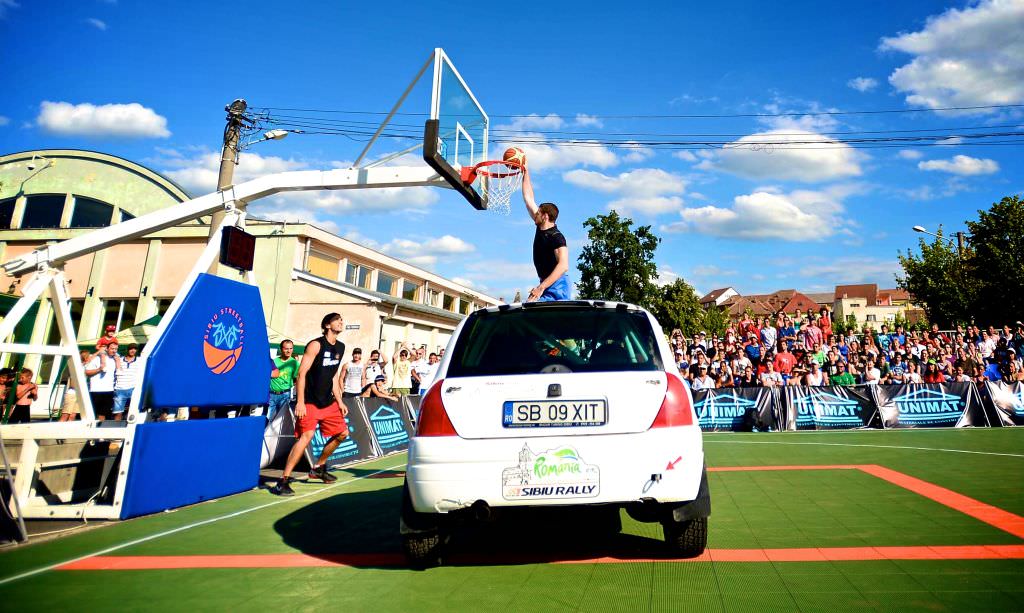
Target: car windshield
(532, 340)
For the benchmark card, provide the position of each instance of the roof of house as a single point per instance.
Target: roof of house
(800, 301)
(714, 295)
(868, 291)
(822, 298)
(895, 293)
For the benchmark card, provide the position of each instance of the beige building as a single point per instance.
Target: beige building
(303, 271)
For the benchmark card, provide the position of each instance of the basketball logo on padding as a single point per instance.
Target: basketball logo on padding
(222, 340)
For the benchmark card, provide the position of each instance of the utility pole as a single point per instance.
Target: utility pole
(228, 160)
(960, 244)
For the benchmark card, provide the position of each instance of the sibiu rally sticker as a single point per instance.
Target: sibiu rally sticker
(555, 473)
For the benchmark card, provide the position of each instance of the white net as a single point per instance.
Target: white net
(499, 180)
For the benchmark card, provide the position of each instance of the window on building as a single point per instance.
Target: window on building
(386, 283)
(410, 290)
(870, 318)
(448, 303)
(119, 313)
(358, 275)
(90, 213)
(6, 213)
(125, 215)
(465, 305)
(323, 265)
(43, 211)
(432, 298)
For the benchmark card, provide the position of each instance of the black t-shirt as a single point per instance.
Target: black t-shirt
(320, 377)
(545, 242)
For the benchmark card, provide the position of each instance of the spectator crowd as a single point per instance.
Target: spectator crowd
(804, 350)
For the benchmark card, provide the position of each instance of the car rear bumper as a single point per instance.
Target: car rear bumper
(450, 473)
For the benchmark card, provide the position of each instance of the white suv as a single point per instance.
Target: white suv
(556, 404)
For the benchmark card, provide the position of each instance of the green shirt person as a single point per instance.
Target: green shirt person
(843, 377)
(287, 368)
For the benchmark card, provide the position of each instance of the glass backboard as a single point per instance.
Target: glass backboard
(456, 133)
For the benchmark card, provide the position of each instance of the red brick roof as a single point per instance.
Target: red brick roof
(714, 294)
(868, 291)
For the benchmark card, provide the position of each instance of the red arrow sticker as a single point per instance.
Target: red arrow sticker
(672, 465)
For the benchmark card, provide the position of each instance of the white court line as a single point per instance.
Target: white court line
(1008, 455)
(190, 526)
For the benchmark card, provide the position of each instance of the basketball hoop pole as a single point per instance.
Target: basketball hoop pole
(294, 181)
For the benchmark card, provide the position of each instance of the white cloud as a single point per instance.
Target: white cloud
(464, 281)
(106, 120)
(6, 5)
(799, 115)
(585, 121)
(963, 165)
(862, 84)
(686, 156)
(99, 24)
(426, 252)
(533, 121)
(666, 275)
(650, 191)
(635, 152)
(845, 270)
(198, 174)
(4, 120)
(711, 270)
(910, 154)
(802, 156)
(544, 156)
(964, 57)
(801, 215)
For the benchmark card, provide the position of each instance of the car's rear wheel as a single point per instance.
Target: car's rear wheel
(422, 537)
(687, 539)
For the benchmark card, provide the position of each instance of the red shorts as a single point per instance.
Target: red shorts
(329, 417)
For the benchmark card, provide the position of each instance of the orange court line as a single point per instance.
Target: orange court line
(994, 516)
(301, 560)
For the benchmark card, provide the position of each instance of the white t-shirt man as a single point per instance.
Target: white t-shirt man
(703, 383)
(102, 381)
(427, 372)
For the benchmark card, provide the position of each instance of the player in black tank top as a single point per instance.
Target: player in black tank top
(320, 377)
(319, 402)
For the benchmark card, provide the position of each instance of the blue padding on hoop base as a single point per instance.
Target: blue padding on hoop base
(184, 462)
(214, 352)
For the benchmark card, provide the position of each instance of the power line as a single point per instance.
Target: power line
(678, 116)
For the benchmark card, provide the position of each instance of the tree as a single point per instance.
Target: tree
(716, 320)
(997, 251)
(679, 307)
(618, 263)
(940, 279)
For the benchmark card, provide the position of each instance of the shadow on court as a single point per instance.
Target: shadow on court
(361, 529)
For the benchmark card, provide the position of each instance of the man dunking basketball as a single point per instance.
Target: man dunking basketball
(550, 253)
(319, 394)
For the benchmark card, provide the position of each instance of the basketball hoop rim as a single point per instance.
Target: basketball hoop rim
(469, 173)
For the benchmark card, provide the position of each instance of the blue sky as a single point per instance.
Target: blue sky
(756, 218)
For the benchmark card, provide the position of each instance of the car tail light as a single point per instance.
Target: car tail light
(433, 417)
(675, 409)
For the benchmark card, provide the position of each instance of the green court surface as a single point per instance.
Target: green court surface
(934, 526)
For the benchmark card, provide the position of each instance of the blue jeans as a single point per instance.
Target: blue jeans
(121, 398)
(559, 290)
(278, 402)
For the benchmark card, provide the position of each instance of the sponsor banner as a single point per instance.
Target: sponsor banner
(1008, 401)
(389, 421)
(740, 409)
(358, 445)
(929, 405)
(553, 473)
(827, 408)
(411, 404)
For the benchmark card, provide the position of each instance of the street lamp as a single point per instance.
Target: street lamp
(959, 239)
(269, 135)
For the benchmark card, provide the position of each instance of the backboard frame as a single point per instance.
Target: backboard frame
(433, 153)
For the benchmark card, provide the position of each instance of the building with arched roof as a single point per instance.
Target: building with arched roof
(303, 271)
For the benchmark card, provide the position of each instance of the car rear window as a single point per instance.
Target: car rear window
(533, 340)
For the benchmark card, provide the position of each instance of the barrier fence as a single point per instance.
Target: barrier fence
(379, 427)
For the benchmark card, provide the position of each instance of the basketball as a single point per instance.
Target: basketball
(515, 154)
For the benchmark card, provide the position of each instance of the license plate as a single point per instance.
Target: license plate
(554, 413)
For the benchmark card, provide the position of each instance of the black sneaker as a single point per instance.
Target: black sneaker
(282, 488)
(320, 472)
